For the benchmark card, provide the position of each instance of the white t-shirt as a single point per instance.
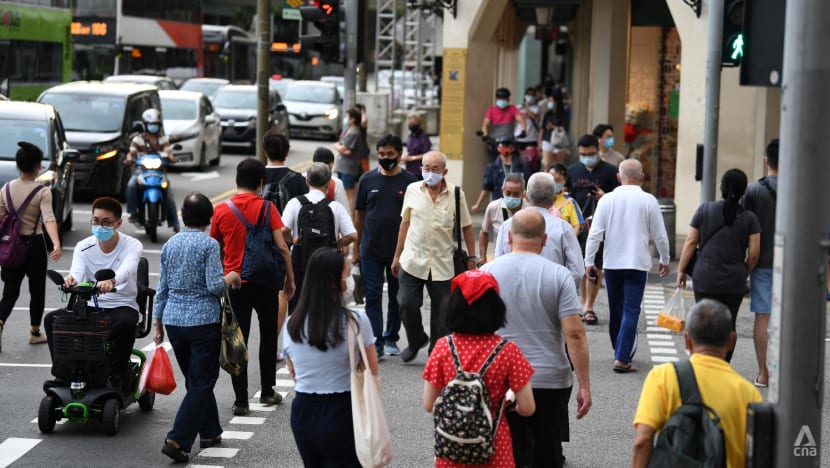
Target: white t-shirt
(89, 258)
(343, 222)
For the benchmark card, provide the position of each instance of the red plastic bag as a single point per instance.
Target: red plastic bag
(160, 378)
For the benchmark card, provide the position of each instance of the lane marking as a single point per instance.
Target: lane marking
(218, 452)
(15, 447)
(261, 407)
(665, 358)
(663, 350)
(236, 435)
(651, 336)
(14, 364)
(205, 466)
(247, 420)
(656, 330)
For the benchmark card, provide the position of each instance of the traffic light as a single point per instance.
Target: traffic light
(763, 60)
(325, 15)
(732, 48)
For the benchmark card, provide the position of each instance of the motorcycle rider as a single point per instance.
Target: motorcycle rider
(500, 120)
(151, 140)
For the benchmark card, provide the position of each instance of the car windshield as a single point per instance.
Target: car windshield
(12, 131)
(178, 109)
(88, 113)
(316, 94)
(201, 87)
(235, 99)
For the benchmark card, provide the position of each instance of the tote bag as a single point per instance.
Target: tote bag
(371, 434)
(233, 353)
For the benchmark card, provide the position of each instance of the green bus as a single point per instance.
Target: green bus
(35, 47)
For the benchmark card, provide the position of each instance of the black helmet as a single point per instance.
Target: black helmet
(503, 93)
(506, 141)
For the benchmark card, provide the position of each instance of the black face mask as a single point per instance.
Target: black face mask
(415, 129)
(388, 164)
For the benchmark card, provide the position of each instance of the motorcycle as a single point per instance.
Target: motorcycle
(152, 186)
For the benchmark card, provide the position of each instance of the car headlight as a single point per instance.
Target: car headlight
(151, 163)
(47, 178)
(332, 114)
(109, 154)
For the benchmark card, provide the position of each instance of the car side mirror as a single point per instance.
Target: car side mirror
(210, 119)
(70, 154)
(138, 126)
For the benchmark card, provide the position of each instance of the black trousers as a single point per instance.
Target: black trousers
(323, 431)
(731, 301)
(123, 323)
(35, 269)
(537, 439)
(265, 302)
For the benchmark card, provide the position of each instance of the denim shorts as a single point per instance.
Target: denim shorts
(760, 290)
(349, 180)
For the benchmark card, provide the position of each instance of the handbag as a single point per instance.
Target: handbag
(372, 442)
(459, 256)
(233, 352)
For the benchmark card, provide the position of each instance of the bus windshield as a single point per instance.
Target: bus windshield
(88, 113)
(178, 109)
(12, 131)
(235, 99)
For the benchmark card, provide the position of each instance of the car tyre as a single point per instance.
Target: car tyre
(203, 164)
(46, 417)
(110, 416)
(215, 162)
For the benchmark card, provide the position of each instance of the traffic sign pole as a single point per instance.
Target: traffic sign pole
(711, 106)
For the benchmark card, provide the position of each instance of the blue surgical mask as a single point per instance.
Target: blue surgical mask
(589, 161)
(512, 202)
(103, 233)
(432, 179)
(502, 103)
(557, 187)
(609, 142)
(529, 99)
(345, 121)
(153, 128)
(550, 105)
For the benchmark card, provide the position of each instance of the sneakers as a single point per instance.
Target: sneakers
(37, 337)
(270, 399)
(134, 219)
(240, 409)
(391, 349)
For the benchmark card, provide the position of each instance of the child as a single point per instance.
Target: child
(473, 313)
(564, 206)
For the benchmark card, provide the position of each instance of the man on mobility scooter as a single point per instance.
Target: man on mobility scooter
(91, 346)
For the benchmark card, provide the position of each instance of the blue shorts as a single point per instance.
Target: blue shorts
(349, 181)
(760, 291)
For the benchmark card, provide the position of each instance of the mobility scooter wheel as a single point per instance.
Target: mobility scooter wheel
(46, 417)
(152, 221)
(146, 401)
(111, 415)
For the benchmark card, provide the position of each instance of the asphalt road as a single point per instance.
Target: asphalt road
(602, 439)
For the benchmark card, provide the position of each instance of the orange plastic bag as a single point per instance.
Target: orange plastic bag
(673, 315)
(160, 378)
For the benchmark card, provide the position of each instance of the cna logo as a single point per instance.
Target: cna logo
(805, 444)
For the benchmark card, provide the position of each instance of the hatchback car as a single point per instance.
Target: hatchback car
(40, 125)
(314, 109)
(209, 86)
(99, 124)
(193, 127)
(160, 82)
(280, 85)
(237, 107)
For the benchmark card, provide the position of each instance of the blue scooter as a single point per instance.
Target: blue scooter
(152, 183)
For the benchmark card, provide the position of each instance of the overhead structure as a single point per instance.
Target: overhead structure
(418, 65)
(385, 47)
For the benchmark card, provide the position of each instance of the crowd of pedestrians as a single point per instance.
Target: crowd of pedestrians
(556, 234)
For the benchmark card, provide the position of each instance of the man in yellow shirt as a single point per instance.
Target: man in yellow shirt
(708, 336)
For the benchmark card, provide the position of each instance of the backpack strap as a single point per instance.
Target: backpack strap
(458, 369)
(689, 392)
(765, 182)
(10, 204)
(303, 200)
(238, 214)
(491, 357)
(264, 217)
(457, 224)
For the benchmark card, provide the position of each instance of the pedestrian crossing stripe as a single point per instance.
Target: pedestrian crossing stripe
(247, 420)
(655, 350)
(664, 358)
(236, 435)
(218, 452)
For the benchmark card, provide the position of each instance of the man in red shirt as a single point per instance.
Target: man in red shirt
(231, 233)
(500, 120)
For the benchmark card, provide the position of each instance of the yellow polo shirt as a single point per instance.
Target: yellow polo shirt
(720, 387)
(429, 241)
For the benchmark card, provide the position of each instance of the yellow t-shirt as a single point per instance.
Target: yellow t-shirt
(566, 208)
(721, 388)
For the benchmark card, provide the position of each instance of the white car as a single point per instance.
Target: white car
(209, 86)
(193, 127)
(313, 109)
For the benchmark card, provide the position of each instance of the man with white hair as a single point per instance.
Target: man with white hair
(561, 246)
(626, 219)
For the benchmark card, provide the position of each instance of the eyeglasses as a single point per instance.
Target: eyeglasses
(102, 222)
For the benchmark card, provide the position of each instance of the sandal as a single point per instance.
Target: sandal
(590, 318)
(174, 451)
(625, 369)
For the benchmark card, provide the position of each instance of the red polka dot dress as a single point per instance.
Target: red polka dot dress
(509, 370)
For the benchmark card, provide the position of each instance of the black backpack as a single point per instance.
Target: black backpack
(315, 226)
(277, 192)
(692, 437)
(262, 262)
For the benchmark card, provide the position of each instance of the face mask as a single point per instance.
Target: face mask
(388, 164)
(432, 179)
(557, 187)
(589, 161)
(609, 142)
(415, 129)
(501, 103)
(529, 99)
(512, 202)
(349, 291)
(345, 121)
(550, 105)
(153, 128)
(505, 151)
(103, 233)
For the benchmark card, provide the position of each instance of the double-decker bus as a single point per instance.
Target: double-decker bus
(35, 47)
(119, 37)
(230, 53)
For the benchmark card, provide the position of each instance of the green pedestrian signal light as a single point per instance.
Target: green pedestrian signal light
(732, 37)
(737, 48)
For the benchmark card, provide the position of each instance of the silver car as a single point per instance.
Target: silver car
(193, 127)
(209, 86)
(313, 109)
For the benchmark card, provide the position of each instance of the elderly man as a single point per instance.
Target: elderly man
(561, 246)
(626, 219)
(424, 252)
(499, 211)
(708, 337)
(543, 315)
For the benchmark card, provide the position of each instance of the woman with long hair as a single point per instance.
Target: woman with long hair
(730, 244)
(315, 343)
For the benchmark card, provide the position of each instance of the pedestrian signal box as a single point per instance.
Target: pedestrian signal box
(732, 45)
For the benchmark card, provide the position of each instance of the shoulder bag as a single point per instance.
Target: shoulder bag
(690, 267)
(233, 353)
(459, 256)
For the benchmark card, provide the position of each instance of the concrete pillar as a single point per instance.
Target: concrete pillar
(579, 32)
(767, 125)
(610, 20)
